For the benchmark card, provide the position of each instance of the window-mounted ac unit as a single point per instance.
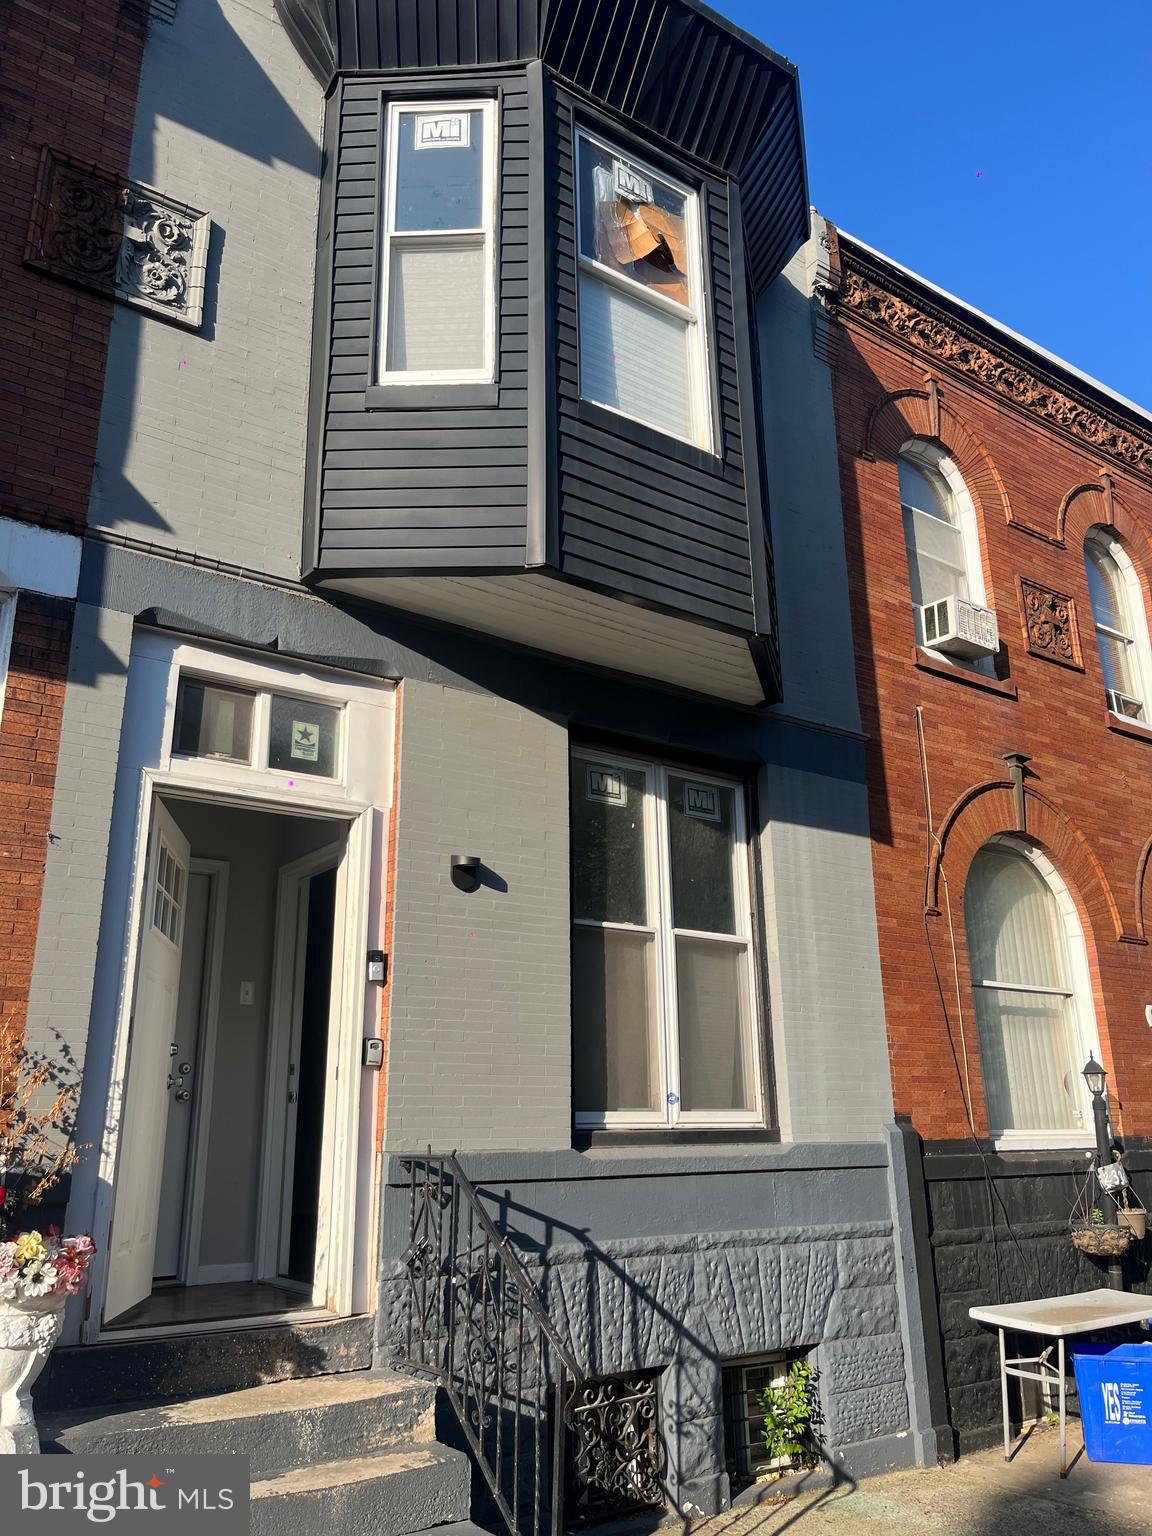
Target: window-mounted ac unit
(960, 628)
(1124, 704)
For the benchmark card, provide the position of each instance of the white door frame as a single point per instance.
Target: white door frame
(287, 999)
(186, 785)
(217, 870)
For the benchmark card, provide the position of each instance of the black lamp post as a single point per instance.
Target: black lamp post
(1096, 1078)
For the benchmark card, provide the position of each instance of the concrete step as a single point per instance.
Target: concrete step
(283, 1426)
(407, 1489)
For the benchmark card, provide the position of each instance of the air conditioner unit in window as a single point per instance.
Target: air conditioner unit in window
(960, 628)
(1124, 704)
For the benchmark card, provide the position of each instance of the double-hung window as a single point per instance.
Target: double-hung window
(664, 1009)
(437, 309)
(643, 344)
(1118, 615)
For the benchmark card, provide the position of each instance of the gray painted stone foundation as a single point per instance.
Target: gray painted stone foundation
(683, 1263)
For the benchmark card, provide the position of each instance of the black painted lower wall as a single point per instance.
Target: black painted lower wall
(999, 1232)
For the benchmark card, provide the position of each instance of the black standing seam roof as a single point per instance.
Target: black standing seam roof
(672, 66)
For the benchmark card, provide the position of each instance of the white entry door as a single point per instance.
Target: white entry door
(140, 1161)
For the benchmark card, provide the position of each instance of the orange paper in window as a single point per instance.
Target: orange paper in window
(646, 243)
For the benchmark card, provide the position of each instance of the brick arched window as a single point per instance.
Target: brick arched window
(1032, 995)
(1121, 624)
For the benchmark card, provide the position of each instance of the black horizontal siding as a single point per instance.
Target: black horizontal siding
(639, 516)
(416, 489)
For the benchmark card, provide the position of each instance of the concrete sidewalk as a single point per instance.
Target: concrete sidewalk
(980, 1495)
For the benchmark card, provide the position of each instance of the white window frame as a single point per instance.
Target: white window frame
(936, 466)
(1135, 615)
(1085, 1029)
(695, 313)
(484, 233)
(7, 625)
(658, 882)
(260, 735)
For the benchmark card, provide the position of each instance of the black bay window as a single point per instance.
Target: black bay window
(437, 303)
(664, 1008)
(643, 337)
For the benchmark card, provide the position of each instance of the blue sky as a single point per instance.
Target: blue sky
(1002, 150)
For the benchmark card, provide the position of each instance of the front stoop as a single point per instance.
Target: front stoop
(348, 1454)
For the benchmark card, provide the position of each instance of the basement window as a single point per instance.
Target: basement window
(437, 304)
(643, 347)
(744, 1383)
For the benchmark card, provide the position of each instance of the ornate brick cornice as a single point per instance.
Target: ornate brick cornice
(878, 300)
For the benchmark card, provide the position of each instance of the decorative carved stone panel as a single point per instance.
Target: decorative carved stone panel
(1050, 624)
(119, 238)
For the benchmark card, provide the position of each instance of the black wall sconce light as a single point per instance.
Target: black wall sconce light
(465, 871)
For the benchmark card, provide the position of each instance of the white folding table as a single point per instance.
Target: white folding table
(1059, 1318)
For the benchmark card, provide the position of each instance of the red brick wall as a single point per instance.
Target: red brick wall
(29, 742)
(69, 71)
(1089, 802)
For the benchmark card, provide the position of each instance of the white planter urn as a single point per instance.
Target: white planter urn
(29, 1327)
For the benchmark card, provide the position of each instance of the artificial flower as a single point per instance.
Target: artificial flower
(7, 1260)
(29, 1247)
(40, 1279)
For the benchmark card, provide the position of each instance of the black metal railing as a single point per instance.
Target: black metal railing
(470, 1316)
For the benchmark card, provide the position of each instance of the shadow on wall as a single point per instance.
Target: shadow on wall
(244, 111)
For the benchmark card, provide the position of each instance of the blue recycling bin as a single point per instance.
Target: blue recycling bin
(1115, 1390)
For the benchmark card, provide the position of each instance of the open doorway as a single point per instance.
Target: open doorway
(227, 1143)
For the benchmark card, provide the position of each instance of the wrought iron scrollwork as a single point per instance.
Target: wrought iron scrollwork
(617, 1462)
(470, 1316)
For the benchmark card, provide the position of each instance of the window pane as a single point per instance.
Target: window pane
(305, 737)
(936, 566)
(436, 307)
(440, 170)
(712, 1000)
(1026, 1049)
(1106, 588)
(213, 722)
(701, 832)
(1116, 663)
(1015, 931)
(615, 1046)
(633, 222)
(634, 357)
(609, 883)
(917, 490)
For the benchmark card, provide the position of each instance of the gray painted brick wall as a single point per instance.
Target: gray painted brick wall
(61, 989)
(816, 653)
(202, 434)
(479, 1035)
(828, 1031)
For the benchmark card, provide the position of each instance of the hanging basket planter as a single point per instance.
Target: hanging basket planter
(1104, 1242)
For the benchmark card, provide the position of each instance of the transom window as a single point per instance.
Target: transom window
(1121, 629)
(643, 348)
(285, 732)
(940, 534)
(663, 1001)
(1031, 993)
(438, 285)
